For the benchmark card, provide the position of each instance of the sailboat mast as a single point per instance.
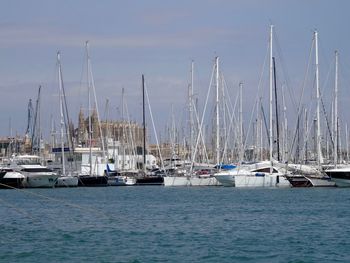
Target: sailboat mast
(241, 148)
(285, 127)
(191, 110)
(89, 106)
(123, 128)
(306, 132)
(61, 113)
(318, 97)
(347, 142)
(144, 123)
(276, 110)
(271, 96)
(217, 113)
(335, 151)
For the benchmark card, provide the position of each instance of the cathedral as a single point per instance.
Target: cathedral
(122, 131)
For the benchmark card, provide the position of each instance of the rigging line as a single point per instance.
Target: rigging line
(231, 118)
(230, 108)
(200, 134)
(202, 120)
(20, 211)
(284, 70)
(323, 104)
(97, 111)
(302, 94)
(132, 138)
(66, 115)
(344, 84)
(327, 121)
(258, 97)
(154, 129)
(55, 200)
(298, 118)
(81, 83)
(265, 122)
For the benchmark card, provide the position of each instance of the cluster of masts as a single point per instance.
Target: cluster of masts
(227, 138)
(228, 128)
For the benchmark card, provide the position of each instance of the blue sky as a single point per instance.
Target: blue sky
(158, 39)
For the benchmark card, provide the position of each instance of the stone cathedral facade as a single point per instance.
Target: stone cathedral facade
(121, 131)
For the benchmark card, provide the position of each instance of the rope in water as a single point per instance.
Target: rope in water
(56, 200)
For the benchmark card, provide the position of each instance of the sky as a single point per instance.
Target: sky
(159, 38)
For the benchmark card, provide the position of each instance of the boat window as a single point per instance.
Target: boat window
(266, 170)
(26, 162)
(36, 170)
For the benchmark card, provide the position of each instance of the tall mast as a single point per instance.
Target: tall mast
(257, 131)
(306, 132)
(123, 128)
(61, 112)
(217, 113)
(276, 110)
(89, 105)
(347, 142)
(144, 123)
(190, 104)
(241, 122)
(271, 95)
(335, 151)
(285, 127)
(318, 97)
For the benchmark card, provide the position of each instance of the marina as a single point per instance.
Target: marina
(117, 152)
(174, 131)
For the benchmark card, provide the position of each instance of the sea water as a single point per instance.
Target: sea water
(160, 224)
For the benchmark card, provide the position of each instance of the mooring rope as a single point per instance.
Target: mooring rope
(56, 200)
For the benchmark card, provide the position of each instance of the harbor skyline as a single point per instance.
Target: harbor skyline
(160, 40)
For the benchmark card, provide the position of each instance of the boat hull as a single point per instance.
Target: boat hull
(67, 181)
(92, 181)
(321, 182)
(190, 181)
(121, 181)
(226, 179)
(340, 177)
(150, 180)
(299, 181)
(40, 180)
(10, 180)
(341, 182)
(261, 180)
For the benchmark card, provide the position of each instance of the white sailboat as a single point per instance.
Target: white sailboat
(265, 173)
(254, 175)
(65, 179)
(340, 174)
(202, 176)
(89, 170)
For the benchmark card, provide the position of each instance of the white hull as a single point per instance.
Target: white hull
(226, 179)
(67, 181)
(190, 181)
(40, 180)
(267, 180)
(121, 181)
(319, 182)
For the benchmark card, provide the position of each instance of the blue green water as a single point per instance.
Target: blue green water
(158, 224)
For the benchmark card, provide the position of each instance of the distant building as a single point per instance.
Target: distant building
(122, 131)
